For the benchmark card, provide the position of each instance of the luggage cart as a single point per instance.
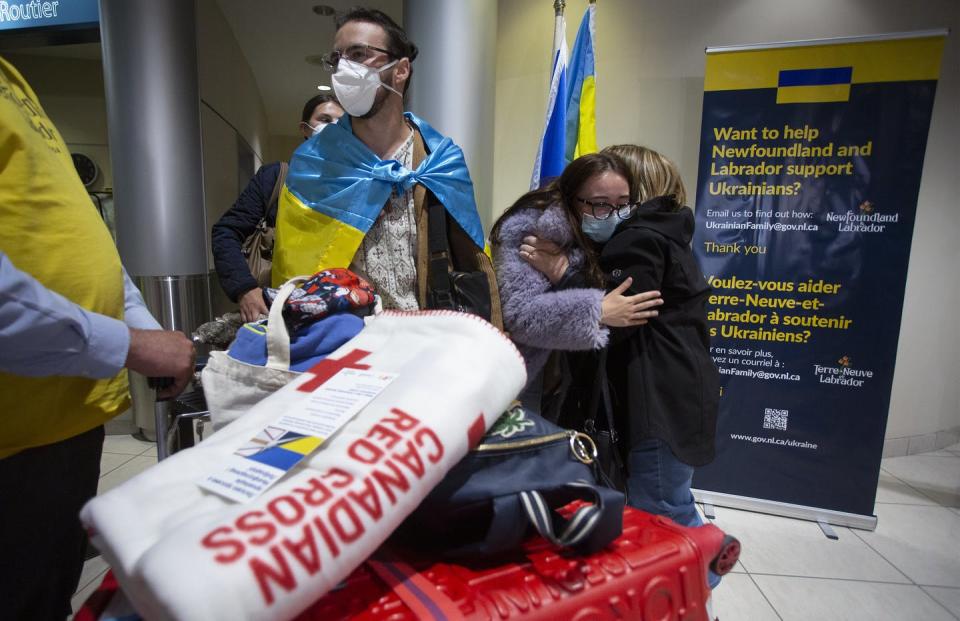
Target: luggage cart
(181, 421)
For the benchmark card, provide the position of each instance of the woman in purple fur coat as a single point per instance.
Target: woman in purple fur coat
(568, 308)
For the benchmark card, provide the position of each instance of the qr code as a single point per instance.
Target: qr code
(775, 419)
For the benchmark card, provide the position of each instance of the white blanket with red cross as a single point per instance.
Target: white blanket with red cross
(180, 552)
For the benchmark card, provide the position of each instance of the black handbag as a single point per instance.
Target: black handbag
(463, 291)
(604, 432)
(524, 469)
(580, 399)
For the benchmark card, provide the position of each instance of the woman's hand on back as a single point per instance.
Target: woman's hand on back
(545, 257)
(622, 311)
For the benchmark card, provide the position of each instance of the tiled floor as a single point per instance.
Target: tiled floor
(909, 568)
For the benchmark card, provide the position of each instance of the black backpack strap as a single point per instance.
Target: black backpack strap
(605, 393)
(438, 265)
(601, 390)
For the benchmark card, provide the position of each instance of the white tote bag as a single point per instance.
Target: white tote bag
(232, 387)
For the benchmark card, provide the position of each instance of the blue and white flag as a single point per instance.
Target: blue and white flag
(551, 153)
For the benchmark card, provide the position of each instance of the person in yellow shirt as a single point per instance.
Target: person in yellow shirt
(71, 322)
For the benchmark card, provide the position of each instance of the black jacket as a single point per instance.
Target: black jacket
(236, 225)
(664, 381)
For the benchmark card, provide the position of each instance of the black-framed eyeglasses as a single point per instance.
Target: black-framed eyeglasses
(602, 211)
(359, 53)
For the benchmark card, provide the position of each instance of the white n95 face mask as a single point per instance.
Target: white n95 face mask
(356, 85)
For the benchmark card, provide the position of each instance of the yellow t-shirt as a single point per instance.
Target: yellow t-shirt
(50, 229)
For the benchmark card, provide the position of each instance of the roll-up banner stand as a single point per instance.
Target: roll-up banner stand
(811, 154)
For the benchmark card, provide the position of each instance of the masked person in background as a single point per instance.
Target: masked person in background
(256, 207)
(357, 195)
(71, 322)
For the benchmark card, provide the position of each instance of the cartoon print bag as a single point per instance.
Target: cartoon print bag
(524, 469)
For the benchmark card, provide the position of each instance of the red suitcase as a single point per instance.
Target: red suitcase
(655, 571)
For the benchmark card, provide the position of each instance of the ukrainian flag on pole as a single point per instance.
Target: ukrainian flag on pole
(581, 118)
(552, 152)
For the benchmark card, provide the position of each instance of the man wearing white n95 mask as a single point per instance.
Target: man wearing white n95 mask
(364, 185)
(366, 57)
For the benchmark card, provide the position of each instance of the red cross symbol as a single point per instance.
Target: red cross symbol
(476, 431)
(328, 367)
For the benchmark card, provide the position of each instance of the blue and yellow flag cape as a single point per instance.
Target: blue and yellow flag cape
(337, 187)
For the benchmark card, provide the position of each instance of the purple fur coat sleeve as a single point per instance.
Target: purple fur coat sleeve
(536, 316)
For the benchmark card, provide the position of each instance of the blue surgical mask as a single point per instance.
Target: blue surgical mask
(599, 230)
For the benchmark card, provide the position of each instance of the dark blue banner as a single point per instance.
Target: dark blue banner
(806, 202)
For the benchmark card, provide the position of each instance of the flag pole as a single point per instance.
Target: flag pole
(558, 7)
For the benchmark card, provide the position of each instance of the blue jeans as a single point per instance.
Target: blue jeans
(659, 483)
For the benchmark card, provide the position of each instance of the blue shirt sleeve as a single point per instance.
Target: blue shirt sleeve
(43, 333)
(135, 313)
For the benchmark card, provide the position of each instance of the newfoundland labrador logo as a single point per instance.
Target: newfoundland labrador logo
(844, 374)
(868, 220)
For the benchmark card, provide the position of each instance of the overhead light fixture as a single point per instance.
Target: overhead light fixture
(323, 10)
(323, 87)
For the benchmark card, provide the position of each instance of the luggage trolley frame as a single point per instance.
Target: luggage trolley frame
(180, 421)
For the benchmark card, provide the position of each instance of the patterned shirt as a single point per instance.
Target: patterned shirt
(387, 257)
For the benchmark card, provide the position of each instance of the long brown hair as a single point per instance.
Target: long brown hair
(563, 191)
(652, 174)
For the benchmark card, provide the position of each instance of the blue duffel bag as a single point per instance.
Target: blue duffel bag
(510, 486)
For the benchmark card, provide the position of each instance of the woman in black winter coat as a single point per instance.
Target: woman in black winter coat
(662, 374)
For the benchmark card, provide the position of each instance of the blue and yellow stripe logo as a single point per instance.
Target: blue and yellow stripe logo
(814, 85)
(823, 72)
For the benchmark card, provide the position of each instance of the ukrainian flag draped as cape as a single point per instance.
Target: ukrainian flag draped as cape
(337, 186)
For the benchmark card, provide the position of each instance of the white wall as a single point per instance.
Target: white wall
(227, 84)
(231, 106)
(280, 147)
(649, 90)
